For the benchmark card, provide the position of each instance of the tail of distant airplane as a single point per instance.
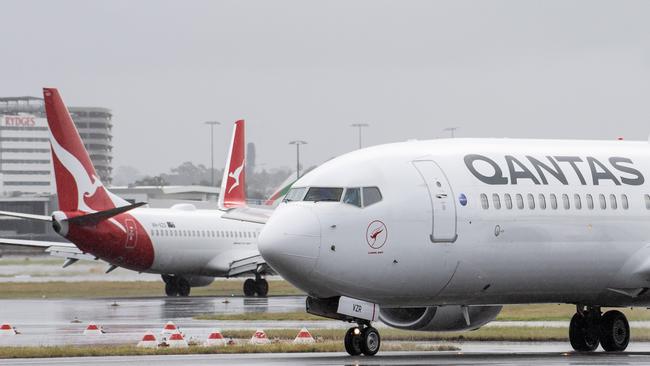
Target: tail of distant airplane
(233, 184)
(77, 184)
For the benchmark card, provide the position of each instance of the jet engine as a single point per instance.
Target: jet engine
(198, 281)
(439, 318)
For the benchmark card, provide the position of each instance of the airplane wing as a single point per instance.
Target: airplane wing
(238, 262)
(55, 248)
(257, 215)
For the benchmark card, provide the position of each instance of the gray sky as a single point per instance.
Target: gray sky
(307, 69)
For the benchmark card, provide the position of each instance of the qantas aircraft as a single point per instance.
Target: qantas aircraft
(438, 235)
(188, 247)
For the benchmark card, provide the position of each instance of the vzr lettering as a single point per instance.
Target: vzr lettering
(541, 171)
(356, 308)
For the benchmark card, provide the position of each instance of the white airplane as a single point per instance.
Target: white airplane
(438, 235)
(188, 247)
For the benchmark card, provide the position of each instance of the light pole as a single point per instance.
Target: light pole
(297, 143)
(451, 130)
(360, 126)
(212, 123)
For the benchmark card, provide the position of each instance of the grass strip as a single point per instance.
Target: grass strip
(120, 289)
(130, 350)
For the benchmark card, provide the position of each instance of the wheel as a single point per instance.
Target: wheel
(167, 278)
(614, 331)
(171, 289)
(184, 287)
(353, 342)
(249, 287)
(582, 334)
(261, 287)
(370, 341)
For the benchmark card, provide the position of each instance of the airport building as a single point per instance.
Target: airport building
(25, 159)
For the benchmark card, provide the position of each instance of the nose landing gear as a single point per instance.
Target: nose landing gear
(362, 339)
(589, 328)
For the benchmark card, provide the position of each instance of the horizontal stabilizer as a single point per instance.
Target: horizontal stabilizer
(96, 217)
(26, 216)
(249, 214)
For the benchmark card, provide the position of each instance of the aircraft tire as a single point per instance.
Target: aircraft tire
(261, 287)
(171, 289)
(614, 331)
(353, 342)
(184, 287)
(370, 341)
(583, 336)
(249, 287)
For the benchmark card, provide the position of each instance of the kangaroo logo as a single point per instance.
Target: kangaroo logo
(376, 234)
(235, 175)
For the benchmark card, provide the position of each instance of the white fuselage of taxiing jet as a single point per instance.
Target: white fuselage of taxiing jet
(473, 221)
(187, 241)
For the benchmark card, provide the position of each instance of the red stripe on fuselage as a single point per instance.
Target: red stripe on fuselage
(109, 242)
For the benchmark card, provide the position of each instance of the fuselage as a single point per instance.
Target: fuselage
(472, 221)
(181, 240)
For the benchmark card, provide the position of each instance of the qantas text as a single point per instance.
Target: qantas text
(541, 170)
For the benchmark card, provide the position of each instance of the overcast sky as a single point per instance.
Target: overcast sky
(308, 69)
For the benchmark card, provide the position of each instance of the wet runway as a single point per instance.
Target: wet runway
(523, 357)
(51, 322)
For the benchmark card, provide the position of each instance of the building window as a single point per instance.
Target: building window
(565, 201)
(612, 201)
(603, 201)
(497, 201)
(553, 199)
(624, 202)
(520, 201)
(577, 201)
(508, 200)
(484, 201)
(531, 201)
(590, 202)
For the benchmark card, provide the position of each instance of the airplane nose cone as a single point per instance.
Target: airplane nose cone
(290, 242)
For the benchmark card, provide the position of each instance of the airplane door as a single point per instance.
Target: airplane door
(131, 234)
(443, 217)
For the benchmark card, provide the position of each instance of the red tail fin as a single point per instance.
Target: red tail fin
(233, 185)
(77, 184)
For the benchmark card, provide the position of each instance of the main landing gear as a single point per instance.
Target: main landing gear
(176, 286)
(257, 286)
(589, 328)
(362, 339)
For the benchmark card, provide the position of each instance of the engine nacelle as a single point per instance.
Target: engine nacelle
(438, 318)
(198, 281)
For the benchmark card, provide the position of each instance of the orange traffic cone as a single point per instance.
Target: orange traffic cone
(7, 329)
(148, 341)
(215, 339)
(169, 328)
(176, 340)
(259, 338)
(93, 329)
(304, 337)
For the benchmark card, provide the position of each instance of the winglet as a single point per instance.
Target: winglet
(233, 184)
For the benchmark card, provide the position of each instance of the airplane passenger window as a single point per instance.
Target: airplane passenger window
(553, 199)
(520, 201)
(484, 201)
(565, 201)
(624, 203)
(612, 201)
(328, 194)
(508, 200)
(603, 202)
(577, 201)
(531, 201)
(542, 201)
(590, 202)
(371, 195)
(647, 202)
(497, 201)
(352, 196)
(294, 194)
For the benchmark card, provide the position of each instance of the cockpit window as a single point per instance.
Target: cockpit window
(353, 196)
(318, 194)
(371, 195)
(294, 194)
